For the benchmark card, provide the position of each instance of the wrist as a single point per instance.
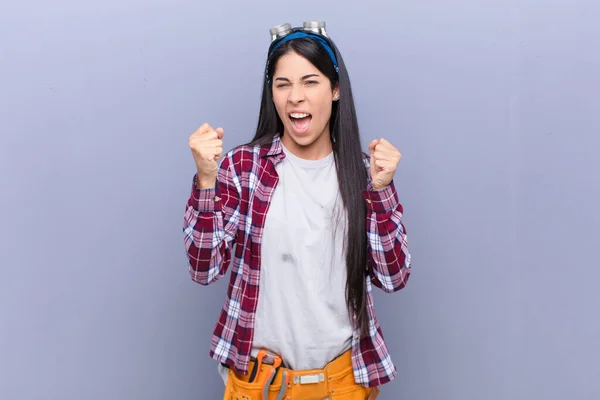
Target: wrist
(205, 182)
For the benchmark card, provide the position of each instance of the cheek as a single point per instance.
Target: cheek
(325, 107)
(279, 102)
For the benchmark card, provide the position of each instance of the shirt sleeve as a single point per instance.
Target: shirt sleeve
(211, 221)
(388, 256)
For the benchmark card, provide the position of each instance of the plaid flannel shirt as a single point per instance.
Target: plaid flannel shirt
(233, 213)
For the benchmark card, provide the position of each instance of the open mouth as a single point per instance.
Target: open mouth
(300, 121)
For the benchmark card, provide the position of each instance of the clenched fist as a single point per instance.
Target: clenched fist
(207, 148)
(384, 161)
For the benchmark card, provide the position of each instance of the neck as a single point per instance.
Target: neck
(316, 150)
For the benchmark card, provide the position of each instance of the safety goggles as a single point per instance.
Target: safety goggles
(315, 27)
(311, 29)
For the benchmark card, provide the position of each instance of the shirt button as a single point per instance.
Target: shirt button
(217, 198)
(369, 201)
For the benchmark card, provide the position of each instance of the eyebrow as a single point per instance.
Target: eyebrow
(305, 77)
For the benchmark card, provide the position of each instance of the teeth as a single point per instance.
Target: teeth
(299, 115)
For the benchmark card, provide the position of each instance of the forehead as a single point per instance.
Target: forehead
(292, 65)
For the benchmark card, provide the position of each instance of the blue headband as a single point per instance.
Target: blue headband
(323, 42)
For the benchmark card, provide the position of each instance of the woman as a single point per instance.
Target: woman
(315, 223)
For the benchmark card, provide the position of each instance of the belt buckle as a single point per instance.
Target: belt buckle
(309, 379)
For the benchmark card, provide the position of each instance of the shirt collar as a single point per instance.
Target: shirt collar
(273, 149)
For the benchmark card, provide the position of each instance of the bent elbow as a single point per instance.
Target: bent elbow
(205, 279)
(400, 279)
(205, 276)
(395, 284)
(400, 283)
(200, 279)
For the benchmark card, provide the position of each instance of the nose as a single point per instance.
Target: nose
(296, 94)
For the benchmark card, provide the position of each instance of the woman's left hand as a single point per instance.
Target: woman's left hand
(384, 161)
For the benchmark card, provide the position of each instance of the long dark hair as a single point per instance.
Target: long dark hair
(347, 149)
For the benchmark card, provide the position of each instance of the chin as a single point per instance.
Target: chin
(304, 140)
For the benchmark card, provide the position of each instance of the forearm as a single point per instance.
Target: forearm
(388, 246)
(210, 224)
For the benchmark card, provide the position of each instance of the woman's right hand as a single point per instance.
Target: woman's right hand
(207, 148)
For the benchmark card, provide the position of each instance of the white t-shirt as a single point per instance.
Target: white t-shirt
(301, 313)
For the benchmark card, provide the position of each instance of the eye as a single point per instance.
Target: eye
(311, 82)
(280, 85)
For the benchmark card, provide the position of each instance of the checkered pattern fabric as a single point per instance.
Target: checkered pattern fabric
(223, 229)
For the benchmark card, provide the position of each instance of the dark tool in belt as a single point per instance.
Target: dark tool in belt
(254, 371)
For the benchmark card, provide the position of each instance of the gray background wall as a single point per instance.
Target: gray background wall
(493, 103)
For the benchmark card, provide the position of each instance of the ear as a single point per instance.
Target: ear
(336, 93)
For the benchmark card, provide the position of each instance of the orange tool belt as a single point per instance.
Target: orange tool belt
(269, 380)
